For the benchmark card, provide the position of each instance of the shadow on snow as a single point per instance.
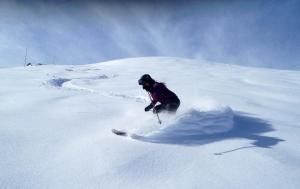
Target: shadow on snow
(244, 126)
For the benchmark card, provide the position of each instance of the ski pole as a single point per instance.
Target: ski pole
(159, 121)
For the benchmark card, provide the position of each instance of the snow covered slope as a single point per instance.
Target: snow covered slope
(237, 127)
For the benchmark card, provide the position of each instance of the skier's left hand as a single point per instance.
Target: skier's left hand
(148, 108)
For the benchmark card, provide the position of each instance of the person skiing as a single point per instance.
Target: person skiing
(159, 93)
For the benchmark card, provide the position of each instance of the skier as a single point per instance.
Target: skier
(159, 93)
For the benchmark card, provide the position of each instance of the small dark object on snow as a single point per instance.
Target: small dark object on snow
(117, 132)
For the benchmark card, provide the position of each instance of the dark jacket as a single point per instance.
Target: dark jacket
(160, 93)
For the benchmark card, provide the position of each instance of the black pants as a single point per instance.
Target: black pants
(170, 107)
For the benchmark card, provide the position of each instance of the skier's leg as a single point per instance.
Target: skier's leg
(172, 107)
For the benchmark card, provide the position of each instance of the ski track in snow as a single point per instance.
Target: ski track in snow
(70, 84)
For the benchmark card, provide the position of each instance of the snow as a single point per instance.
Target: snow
(237, 127)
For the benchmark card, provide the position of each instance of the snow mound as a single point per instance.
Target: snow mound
(196, 122)
(200, 121)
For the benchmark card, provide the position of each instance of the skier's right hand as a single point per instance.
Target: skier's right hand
(148, 108)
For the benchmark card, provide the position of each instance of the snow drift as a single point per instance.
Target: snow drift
(197, 122)
(207, 119)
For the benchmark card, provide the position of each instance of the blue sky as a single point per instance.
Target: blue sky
(253, 33)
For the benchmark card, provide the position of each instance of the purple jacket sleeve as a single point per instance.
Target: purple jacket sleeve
(156, 94)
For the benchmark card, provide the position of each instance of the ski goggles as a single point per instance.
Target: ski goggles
(141, 82)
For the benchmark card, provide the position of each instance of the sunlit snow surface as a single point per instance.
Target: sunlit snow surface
(237, 127)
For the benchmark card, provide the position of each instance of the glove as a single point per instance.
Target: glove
(155, 110)
(148, 108)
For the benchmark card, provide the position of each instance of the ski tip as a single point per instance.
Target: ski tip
(118, 132)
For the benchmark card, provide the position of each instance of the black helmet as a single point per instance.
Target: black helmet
(146, 78)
